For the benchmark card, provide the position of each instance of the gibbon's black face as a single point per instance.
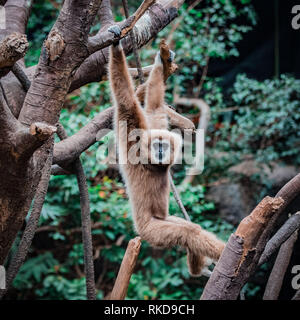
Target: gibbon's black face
(161, 150)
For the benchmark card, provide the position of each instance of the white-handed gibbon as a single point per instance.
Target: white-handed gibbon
(147, 181)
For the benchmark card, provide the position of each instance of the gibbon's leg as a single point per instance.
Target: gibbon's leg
(173, 231)
(122, 87)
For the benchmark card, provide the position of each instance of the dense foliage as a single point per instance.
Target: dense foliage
(54, 269)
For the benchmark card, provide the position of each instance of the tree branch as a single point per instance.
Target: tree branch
(156, 18)
(105, 14)
(290, 226)
(279, 269)
(66, 151)
(232, 272)
(104, 39)
(17, 14)
(126, 270)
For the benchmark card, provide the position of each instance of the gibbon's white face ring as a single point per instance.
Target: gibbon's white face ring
(160, 151)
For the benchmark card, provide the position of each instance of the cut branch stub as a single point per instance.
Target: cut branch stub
(42, 131)
(126, 270)
(253, 225)
(12, 48)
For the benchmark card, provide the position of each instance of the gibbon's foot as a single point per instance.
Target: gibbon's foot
(158, 59)
(172, 56)
(116, 30)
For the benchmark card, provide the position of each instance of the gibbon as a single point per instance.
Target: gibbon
(147, 181)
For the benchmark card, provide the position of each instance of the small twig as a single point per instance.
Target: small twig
(126, 270)
(289, 227)
(279, 269)
(32, 224)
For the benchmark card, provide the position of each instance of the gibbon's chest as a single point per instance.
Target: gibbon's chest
(146, 182)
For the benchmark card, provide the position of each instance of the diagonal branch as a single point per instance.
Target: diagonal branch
(66, 151)
(17, 14)
(126, 270)
(279, 269)
(104, 39)
(155, 19)
(290, 226)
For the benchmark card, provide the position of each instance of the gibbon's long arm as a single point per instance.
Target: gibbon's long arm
(155, 90)
(122, 87)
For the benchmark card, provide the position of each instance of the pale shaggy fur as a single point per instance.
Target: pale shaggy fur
(148, 184)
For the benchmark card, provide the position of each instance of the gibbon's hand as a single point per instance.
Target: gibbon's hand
(116, 30)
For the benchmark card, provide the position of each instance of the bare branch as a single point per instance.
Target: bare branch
(204, 120)
(156, 18)
(105, 38)
(105, 14)
(126, 270)
(279, 269)
(28, 140)
(66, 151)
(290, 226)
(17, 14)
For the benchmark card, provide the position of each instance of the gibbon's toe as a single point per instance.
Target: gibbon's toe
(116, 30)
